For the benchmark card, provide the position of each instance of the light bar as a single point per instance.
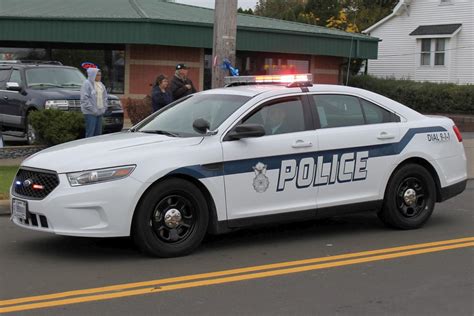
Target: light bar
(270, 79)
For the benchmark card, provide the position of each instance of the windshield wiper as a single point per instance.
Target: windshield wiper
(161, 132)
(44, 85)
(71, 85)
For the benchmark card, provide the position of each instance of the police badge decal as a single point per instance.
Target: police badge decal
(260, 182)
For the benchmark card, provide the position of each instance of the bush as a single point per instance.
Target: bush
(426, 97)
(137, 110)
(55, 126)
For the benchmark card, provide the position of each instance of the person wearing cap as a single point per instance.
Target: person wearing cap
(93, 102)
(160, 95)
(181, 85)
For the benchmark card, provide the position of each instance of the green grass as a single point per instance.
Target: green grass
(6, 178)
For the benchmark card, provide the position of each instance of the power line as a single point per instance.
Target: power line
(419, 53)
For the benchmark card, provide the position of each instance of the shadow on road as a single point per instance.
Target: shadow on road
(308, 232)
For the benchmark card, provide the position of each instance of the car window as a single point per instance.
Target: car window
(338, 110)
(374, 114)
(178, 117)
(50, 77)
(4, 74)
(15, 76)
(285, 116)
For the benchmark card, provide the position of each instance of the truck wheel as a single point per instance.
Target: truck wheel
(409, 198)
(171, 219)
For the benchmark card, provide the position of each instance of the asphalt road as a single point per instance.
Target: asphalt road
(423, 279)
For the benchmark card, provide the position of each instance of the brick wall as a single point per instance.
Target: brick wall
(325, 69)
(146, 62)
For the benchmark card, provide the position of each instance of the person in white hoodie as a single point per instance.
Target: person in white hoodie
(93, 102)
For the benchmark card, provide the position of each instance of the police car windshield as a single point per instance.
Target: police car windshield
(178, 117)
(54, 77)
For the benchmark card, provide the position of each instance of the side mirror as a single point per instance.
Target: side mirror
(245, 131)
(201, 126)
(13, 86)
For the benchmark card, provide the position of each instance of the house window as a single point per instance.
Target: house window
(439, 51)
(425, 52)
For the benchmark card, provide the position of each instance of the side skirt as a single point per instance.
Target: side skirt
(225, 226)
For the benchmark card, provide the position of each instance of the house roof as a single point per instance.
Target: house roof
(401, 7)
(163, 23)
(440, 29)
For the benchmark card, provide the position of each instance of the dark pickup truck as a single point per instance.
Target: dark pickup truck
(31, 86)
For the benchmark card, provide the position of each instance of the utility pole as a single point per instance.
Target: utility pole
(225, 32)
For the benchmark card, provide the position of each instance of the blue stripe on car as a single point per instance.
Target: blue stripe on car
(274, 162)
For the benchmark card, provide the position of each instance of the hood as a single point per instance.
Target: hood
(59, 93)
(107, 151)
(91, 74)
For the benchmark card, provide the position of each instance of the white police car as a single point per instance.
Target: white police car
(244, 155)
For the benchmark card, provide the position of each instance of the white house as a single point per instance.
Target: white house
(426, 40)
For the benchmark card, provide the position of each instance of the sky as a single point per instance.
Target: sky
(245, 4)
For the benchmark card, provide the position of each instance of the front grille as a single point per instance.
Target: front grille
(35, 184)
(74, 105)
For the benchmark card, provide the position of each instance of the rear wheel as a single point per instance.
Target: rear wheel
(171, 219)
(409, 198)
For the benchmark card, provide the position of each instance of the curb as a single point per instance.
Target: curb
(4, 207)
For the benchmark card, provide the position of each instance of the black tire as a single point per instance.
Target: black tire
(409, 199)
(171, 219)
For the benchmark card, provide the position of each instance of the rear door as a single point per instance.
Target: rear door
(261, 173)
(355, 150)
(4, 77)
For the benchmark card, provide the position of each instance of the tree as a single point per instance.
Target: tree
(246, 11)
(359, 13)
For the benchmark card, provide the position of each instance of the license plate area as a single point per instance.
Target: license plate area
(19, 208)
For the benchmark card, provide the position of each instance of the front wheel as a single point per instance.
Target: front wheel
(171, 220)
(409, 198)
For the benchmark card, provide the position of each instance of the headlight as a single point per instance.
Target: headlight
(56, 104)
(99, 175)
(114, 104)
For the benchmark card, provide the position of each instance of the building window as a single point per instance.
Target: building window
(445, 2)
(111, 61)
(439, 51)
(426, 52)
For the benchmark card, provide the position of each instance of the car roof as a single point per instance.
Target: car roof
(271, 90)
(32, 65)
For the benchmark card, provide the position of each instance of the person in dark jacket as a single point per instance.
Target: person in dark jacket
(181, 85)
(160, 95)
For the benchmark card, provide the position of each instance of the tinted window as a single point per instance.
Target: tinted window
(4, 74)
(285, 116)
(15, 76)
(374, 114)
(338, 110)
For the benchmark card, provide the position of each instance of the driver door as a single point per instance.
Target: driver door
(261, 173)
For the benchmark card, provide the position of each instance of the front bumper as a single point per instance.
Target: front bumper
(96, 210)
(112, 122)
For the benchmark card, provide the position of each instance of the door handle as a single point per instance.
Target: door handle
(5, 98)
(385, 135)
(301, 144)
